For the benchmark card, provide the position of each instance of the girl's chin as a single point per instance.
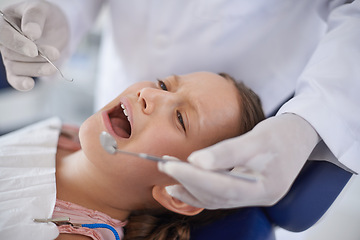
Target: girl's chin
(89, 131)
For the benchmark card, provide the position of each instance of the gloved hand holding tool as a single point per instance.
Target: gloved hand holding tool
(274, 151)
(33, 34)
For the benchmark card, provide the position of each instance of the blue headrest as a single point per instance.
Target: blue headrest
(314, 190)
(243, 224)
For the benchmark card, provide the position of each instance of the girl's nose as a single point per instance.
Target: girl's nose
(151, 98)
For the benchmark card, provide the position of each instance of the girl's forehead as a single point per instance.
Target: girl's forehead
(209, 87)
(204, 82)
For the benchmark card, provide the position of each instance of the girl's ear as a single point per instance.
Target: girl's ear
(161, 196)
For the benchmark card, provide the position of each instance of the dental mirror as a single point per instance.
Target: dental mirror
(109, 144)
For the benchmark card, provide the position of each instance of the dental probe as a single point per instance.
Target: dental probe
(41, 54)
(109, 144)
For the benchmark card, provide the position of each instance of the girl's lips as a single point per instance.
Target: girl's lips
(116, 122)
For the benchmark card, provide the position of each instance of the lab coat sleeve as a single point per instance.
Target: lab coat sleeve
(328, 91)
(81, 15)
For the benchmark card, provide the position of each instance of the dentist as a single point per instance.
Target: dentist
(307, 51)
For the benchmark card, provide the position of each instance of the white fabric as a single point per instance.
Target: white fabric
(267, 44)
(27, 181)
(328, 88)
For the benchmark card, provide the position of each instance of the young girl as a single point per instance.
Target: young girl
(175, 116)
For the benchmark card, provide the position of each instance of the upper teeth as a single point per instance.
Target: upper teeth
(124, 110)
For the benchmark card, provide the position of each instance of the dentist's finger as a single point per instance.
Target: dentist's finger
(11, 39)
(208, 184)
(33, 17)
(21, 83)
(30, 69)
(179, 192)
(208, 158)
(51, 52)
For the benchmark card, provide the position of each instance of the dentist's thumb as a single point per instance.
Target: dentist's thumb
(223, 155)
(33, 20)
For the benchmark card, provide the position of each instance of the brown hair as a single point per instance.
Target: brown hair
(162, 224)
(251, 109)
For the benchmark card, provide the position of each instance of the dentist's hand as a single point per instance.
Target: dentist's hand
(276, 150)
(46, 26)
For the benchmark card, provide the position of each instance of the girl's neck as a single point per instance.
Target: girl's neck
(78, 182)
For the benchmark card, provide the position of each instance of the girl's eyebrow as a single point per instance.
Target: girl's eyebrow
(175, 80)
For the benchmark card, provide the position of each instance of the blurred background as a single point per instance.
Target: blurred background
(73, 103)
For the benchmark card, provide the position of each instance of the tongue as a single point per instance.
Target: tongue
(119, 125)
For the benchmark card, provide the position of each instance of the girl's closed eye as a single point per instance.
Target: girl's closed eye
(162, 85)
(181, 120)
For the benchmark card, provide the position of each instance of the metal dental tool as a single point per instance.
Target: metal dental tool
(109, 144)
(67, 221)
(41, 54)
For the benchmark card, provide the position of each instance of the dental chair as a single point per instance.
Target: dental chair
(314, 190)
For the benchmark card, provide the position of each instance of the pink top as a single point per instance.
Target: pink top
(81, 215)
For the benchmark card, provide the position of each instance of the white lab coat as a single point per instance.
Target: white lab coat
(27, 181)
(274, 46)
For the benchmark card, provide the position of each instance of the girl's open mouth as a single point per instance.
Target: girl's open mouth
(119, 120)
